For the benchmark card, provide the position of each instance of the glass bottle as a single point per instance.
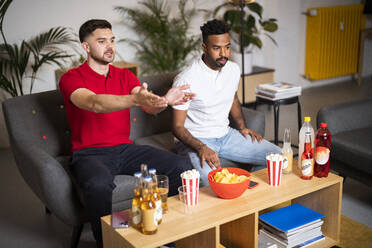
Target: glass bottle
(322, 151)
(149, 223)
(307, 160)
(156, 195)
(306, 127)
(287, 152)
(136, 201)
(144, 170)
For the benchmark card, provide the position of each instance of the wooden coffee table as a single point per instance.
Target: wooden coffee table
(234, 223)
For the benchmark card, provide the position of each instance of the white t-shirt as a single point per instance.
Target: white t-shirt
(208, 112)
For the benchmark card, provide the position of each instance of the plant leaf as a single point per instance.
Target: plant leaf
(164, 42)
(269, 26)
(256, 8)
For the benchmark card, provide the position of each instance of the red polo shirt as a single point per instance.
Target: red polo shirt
(91, 129)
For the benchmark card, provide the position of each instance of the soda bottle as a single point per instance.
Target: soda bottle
(307, 160)
(322, 151)
(144, 170)
(149, 223)
(306, 127)
(156, 195)
(287, 152)
(136, 201)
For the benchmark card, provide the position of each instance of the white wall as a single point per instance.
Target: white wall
(288, 58)
(26, 18)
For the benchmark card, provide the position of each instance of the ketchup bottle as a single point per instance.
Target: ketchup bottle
(322, 151)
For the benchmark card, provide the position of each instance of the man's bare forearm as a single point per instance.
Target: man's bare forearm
(104, 103)
(186, 137)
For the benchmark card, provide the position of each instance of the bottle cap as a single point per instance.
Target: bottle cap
(138, 174)
(152, 171)
(323, 125)
(307, 119)
(147, 179)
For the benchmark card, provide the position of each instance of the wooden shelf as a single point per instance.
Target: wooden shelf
(234, 223)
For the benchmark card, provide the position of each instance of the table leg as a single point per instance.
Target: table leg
(255, 105)
(299, 115)
(276, 122)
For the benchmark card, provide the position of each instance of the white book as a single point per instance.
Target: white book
(276, 94)
(276, 98)
(279, 87)
(265, 242)
(283, 243)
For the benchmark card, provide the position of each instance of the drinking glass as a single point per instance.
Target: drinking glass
(163, 186)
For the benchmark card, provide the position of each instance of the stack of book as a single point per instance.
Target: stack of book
(277, 90)
(292, 226)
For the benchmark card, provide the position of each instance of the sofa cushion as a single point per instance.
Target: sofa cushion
(354, 148)
(163, 141)
(124, 188)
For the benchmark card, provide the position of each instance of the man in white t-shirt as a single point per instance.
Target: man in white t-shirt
(202, 124)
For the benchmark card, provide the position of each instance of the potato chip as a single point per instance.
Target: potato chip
(224, 176)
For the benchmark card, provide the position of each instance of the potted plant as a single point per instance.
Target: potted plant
(164, 42)
(246, 26)
(18, 62)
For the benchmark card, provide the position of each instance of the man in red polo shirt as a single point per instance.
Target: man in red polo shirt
(98, 97)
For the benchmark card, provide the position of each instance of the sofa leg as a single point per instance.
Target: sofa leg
(76, 233)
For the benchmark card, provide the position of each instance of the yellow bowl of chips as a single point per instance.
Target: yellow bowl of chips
(229, 183)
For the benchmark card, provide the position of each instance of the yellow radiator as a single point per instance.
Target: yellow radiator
(332, 38)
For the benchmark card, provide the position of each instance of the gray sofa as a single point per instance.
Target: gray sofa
(350, 125)
(40, 139)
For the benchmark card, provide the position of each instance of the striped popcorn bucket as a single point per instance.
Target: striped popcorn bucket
(190, 180)
(274, 168)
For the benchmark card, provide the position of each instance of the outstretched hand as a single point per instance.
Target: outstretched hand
(145, 98)
(177, 96)
(248, 132)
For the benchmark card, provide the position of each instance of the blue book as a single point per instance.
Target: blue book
(290, 218)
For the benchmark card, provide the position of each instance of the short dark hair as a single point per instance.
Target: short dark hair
(213, 27)
(89, 26)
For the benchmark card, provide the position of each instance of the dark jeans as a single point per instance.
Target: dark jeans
(95, 168)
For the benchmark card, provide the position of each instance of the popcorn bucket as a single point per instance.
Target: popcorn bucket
(190, 181)
(274, 168)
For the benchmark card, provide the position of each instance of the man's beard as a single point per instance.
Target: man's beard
(215, 63)
(102, 59)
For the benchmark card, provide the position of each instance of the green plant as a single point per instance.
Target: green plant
(248, 24)
(18, 62)
(164, 42)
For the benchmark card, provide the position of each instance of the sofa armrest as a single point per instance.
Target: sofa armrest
(346, 116)
(254, 120)
(49, 181)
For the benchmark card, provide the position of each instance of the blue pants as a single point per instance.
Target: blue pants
(95, 168)
(233, 146)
